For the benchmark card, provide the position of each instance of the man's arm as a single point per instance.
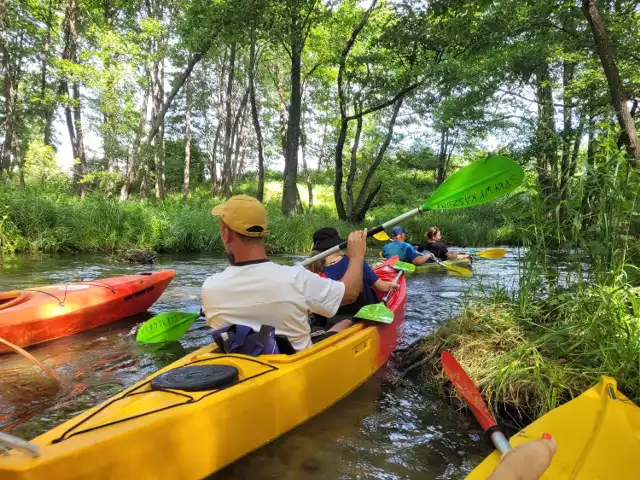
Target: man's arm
(414, 257)
(352, 279)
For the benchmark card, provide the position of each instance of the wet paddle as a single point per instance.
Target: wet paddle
(382, 236)
(379, 312)
(463, 272)
(480, 182)
(31, 358)
(490, 253)
(166, 327)
(467, 389)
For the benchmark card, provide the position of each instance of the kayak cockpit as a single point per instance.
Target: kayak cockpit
(11, 299)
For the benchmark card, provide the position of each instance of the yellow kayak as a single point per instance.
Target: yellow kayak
(157, 429)
(597, 434)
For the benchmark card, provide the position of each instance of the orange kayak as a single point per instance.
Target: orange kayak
(36, 315)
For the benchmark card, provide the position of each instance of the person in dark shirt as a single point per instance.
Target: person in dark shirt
(438, 249)
(335, 266)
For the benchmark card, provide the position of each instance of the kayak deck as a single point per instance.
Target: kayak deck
(144, 433)
(597, 435)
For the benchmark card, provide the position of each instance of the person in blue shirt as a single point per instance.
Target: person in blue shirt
(335, 266)
(398, 246)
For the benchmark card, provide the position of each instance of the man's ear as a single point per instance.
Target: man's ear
(225, 233)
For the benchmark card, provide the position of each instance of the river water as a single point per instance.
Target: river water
(385, 429)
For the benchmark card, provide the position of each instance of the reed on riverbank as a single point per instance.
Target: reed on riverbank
(37, 219)
(574, 315)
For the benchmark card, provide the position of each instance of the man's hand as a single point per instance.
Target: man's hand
(357, 244)
(527, 461)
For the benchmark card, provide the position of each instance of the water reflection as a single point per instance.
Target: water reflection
(385, 429)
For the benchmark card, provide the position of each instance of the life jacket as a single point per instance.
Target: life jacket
(244, 340)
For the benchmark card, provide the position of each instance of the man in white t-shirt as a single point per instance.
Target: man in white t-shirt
(254, 291)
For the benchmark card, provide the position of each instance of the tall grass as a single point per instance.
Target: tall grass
(576, 313)
(52, 219)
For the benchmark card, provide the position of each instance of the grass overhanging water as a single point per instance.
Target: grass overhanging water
(575, 312)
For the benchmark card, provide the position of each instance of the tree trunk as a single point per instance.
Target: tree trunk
(9, 90)
(442, 156)
(282, 110)
(365, 198)
(255, 116)
(546, 134)
(81, 186)
(187, 143)
(353, 167)
(290, 203)
(48, 105)
(73, 115)
(236, 136)
(344, 120)
(227, 146)
(616, 89)
(305, 168)
(159, 139)
(567, 130)
(134, 155)
(179, 82)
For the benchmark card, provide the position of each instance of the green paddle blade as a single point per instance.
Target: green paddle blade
(166, 327)
(481, 182)
(405, 267)
(377, 312)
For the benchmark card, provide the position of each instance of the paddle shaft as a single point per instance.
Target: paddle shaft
(470, 393)
(370, 233)
(386, 295)
(31, 358)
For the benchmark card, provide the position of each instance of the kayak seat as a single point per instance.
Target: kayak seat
(196, 378)
(284, 345)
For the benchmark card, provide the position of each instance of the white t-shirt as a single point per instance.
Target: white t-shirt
(265, 293)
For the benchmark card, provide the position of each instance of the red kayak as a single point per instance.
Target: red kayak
(40, 314)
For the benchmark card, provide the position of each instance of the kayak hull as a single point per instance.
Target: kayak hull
(597, 434)
(36, 315)
(145, 434)
(436, 268)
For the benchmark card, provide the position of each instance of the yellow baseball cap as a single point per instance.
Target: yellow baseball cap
(243, 214)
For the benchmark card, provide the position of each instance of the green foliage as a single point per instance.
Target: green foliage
(40, 163)
(50, 218)
(174, 165)
(575, 313)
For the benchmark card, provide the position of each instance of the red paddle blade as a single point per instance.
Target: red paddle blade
(465, 387)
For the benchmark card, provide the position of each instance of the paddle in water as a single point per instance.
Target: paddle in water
(31, 358)
(379, 312)
(166, 327)
(467, 389)
(489, 253)
(480, 182)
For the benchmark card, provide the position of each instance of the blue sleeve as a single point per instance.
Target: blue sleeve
(410, 253)
(370, 277)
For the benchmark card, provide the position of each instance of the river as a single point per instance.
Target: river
(385, 429)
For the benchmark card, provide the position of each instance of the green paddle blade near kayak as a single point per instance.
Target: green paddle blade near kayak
(166, 327)
(377, 312)
(481, 182)
(404, 267)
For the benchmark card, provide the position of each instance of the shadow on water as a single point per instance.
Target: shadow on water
(384, 429)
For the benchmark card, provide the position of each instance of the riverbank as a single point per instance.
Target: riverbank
(36, 219)
(527, 361)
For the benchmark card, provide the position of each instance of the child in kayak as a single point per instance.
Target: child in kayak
(335, 266)
(405, 251)
(433, 245)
